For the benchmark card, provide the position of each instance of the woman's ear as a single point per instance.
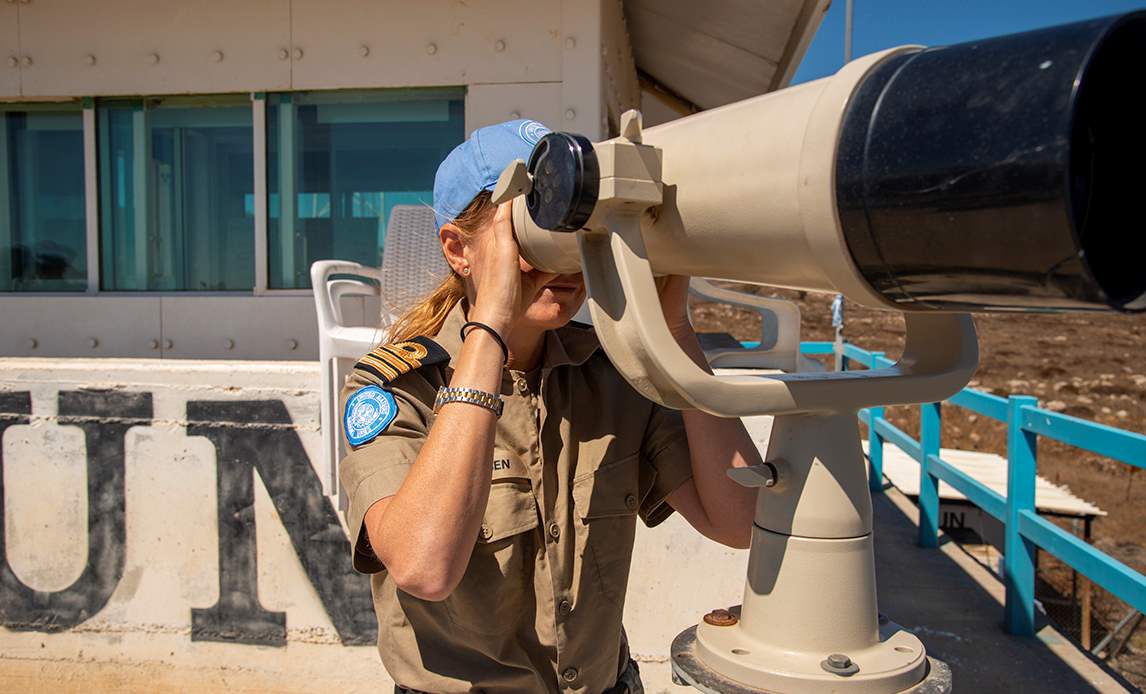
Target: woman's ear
(453, 247)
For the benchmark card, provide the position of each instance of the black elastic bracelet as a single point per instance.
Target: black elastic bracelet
(491, 331)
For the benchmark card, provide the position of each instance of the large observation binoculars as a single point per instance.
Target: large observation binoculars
(999, 175)
(1003, 174)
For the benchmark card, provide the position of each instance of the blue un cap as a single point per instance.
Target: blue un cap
(475, 164)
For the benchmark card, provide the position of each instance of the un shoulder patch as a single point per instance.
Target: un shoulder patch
(386, 363)
(368, 412)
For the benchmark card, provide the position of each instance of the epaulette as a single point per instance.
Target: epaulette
(387, 362)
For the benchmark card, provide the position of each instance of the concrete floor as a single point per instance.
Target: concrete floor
(954, 605)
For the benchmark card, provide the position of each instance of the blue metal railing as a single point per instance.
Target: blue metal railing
(1024, 529)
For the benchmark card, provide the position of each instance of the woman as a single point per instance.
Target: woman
(498, 522)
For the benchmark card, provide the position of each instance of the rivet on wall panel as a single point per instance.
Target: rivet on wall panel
(298, 54)
(93, 343)
(292, 345)
(168, 344)
(13, 61)
(570, 114)
(283, 54)
(229, 343)
(570, 42)
(499, 46)
(364, 51)
(90, 59)
(153, 58)
(154, 344)
(27, 61)
(33, 343)
(431, 48)
(217, 56)
(514, 115)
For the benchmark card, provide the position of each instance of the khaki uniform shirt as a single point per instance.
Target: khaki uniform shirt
(578, 456)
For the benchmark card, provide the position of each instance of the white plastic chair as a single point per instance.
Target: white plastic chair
(412, 266)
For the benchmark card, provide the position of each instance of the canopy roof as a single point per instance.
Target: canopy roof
(715, 52)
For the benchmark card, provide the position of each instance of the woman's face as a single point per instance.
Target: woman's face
(556, 301)
(551, 300)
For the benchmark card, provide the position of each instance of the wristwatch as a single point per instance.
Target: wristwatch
(473, 396)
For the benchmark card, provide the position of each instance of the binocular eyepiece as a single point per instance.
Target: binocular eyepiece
(995, 175)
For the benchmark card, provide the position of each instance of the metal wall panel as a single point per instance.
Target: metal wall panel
(240, 327)
(389, 43)
(487, 104)
(83, 48)
(583, 70)
(65, 326)
(9, 51)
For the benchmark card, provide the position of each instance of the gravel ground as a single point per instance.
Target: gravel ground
(1087, 365)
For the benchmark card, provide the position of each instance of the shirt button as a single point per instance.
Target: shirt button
(486, 533)
(554, 530)
(565, 607)
(631, 502)
(522, 386)
(569, 674)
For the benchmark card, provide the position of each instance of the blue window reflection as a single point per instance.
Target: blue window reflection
(176, 177)
(338, 162)
(42, 230)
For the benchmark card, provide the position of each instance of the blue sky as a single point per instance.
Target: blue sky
(885, 23)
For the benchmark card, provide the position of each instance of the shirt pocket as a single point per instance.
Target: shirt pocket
(493, 593)
(606, 500)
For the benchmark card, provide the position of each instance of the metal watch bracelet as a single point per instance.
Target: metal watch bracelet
(472, 396)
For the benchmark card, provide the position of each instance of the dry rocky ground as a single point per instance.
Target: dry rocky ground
(1091, 366)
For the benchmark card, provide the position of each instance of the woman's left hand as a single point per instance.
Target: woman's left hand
(673, 290)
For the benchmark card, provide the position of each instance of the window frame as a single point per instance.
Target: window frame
(93, 214)
(57, 105)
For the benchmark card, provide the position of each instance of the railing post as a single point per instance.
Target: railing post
(1018, 552)
(930, 429)
(874, 440)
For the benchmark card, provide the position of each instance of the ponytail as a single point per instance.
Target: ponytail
(427, 316)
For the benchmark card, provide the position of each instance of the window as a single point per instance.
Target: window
(42, 229)
(176, 181)
(338, 162)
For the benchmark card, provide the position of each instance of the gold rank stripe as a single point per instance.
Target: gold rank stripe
(385, 370)
(388, 362)
(397, 363)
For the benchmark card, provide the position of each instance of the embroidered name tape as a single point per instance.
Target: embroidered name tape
(368, 412)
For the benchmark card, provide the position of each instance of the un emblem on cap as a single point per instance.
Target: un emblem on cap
(531, 131)
(368, 412)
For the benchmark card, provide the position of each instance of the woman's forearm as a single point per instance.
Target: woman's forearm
(716, 444)
(425, 533)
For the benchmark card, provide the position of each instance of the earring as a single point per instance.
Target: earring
(466, 271)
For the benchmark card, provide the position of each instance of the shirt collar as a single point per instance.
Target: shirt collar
(570, 344)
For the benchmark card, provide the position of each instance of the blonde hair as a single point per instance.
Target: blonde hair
(427, 316)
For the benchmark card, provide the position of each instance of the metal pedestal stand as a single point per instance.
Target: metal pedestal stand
(687, 670)
(809, 622)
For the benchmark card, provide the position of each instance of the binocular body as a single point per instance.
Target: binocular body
(999, 175)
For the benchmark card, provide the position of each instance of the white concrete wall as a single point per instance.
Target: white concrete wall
(547, 52)
(87, 605)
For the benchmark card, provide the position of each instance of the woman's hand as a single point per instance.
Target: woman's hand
(497, 275)
(505, 284)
